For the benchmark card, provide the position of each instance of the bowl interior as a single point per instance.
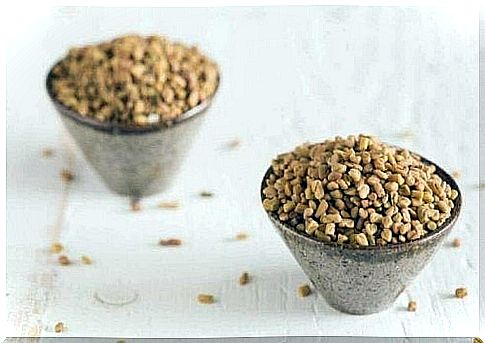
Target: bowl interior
(443, 229)
(119, 128)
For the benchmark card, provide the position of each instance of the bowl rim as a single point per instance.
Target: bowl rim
(440, 231)
(123, 129)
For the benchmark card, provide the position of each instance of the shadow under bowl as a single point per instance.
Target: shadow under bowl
(132, 160)
(363, 280)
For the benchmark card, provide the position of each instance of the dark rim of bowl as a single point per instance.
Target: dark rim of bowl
(442, 229)
(116, 128)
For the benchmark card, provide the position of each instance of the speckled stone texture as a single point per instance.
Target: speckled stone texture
(134, 161)
(363, 280)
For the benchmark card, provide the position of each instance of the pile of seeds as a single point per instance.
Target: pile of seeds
(357, 191)
(134, 80)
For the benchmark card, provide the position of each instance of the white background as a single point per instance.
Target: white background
(289, 75)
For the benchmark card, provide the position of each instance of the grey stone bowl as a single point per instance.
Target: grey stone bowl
(368, 279)
(132, 161)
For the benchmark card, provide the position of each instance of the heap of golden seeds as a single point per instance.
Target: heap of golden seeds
(357, 191)
(134, 80)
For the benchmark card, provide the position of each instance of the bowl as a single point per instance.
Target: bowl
(363, 280)
(132, 160)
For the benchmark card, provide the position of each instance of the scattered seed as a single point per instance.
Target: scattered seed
(205, 299)
(241, 236)
(412, 306)
(244, 279)
(56, 248)
(67, 176)
(461, 292)
(59, 327)
(86, 259)
(135, 205)
(233, 144)
(456, 174)
(169, 205)
(304, 291)
(206, 194)
(456, 242)
(47, 152)
(64, 260)
(170, 242)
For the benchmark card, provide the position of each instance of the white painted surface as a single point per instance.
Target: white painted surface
(289, 75)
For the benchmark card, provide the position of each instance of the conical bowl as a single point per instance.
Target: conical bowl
(363, 280)
(131, 160)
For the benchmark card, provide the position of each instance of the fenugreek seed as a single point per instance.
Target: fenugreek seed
(47, 152)
(355, 175)
(456, 174)
(169, 205)
(386, 235)
(271, 204)
(171, 242)
(431, 226)
(361, 239)
(311, 226)
(304, 291)
(206, 194)
(289, 206)
(342, 239)
(135, 205)
(244, 279)
(64, 260)
(67, 176)
(363, 191)
(241, 236)
(461, 292)
(391, 186)
(454, 194)
(412, 306)
(86, 260)
(205, 299)
(456, 242)
(330, 229)
(59, 327)
(56, 247)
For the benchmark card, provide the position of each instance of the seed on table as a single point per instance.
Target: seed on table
(232, 144)
(244, 279)
(56, 247)
(169, 205)
(67, 175)
(135, 205)
(206, 194)
(205, 298)
(47, 152)
(171, 242)
(64, 260)
(456, 174)
(86, 259)
(461, 292)
(412, 306)
(59, 327)
(304, 291)
(456, 243)
(241, 236)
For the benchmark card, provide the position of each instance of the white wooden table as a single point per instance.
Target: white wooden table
(290, 75)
